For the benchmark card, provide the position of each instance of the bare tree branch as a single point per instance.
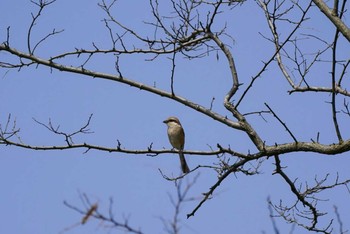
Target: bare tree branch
(284, 124)
(307, 198)
(190, 31)
(332, 15)
(91, 211)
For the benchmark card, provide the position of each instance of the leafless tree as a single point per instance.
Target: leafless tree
(190, 30)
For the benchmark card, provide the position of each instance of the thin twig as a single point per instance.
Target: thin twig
(283, 124)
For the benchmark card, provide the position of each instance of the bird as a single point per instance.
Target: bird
(176, 137)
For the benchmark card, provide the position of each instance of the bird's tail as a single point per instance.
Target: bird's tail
(183, 162)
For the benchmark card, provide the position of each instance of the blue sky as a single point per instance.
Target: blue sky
(35, 183)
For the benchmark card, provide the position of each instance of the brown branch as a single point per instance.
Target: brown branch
(331, 149)
(337, 89)
(315, 147)
(245, 126)
(118, 149)
(10, 130)
(89, 213)
(124, 80)
(338, 23)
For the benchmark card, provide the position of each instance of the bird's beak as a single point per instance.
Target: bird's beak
(165, 121)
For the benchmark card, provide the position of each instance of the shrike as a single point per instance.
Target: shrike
(176, 136)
